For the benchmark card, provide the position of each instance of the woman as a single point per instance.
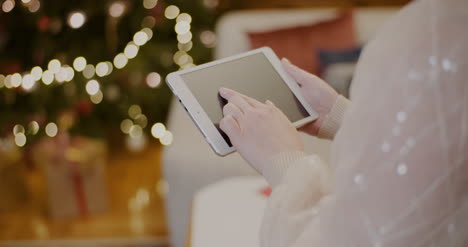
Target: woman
(399, 170)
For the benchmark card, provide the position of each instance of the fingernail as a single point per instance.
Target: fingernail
(286, 60)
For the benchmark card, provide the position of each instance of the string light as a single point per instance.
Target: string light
(134, 111)
(79, 64)
(125, 125)
(33, 127)
(184, 17)
(51, 129)
(54, 66)
(141, 120)
(149, 4)
(182, 27)
(92, 87)
(149, 32)
(97, 98)
(120, 61)
(171, 12)
(20, 140)
(117, 9)
(26, 1)
(8, 6)
(153, 79)
(36, 73)
(208, 38)
(167, 138)
(185, 47)
(158, 130)
(102, 69)
(76, 19)
(184, 38)
(47, 77)
(140, 38)
(89, 71)
(34, 6)
(16, 80)
(28, 82)
(136, 131)
(148, 22)
(131, 50)
(18, 129)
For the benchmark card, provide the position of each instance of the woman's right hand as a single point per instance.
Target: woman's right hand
(320, 96)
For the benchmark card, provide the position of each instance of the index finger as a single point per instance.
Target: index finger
(229, 93)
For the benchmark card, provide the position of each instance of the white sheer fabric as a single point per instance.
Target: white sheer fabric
(399, 172)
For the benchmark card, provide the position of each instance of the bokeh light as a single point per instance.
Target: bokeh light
(76, 19)
(92, 87)
(171, 12)
(51, 129)
(153, 79)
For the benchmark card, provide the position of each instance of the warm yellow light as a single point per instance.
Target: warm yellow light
(51, 129)
(141, 120)
(182, 27)
(149, 4)
(148, 32)
(185, 47)
(20, 140)
(102, 69)
(36, 73)
(61, 75)
(184, 17)
(76, 19)
(140, 38)
(153, 79)
(89, 71)
(158, 130)
(131, 51)
(135, 131)
(69, 73)
(18, 129)
(167, 138)
(7, 81)
(120, 61)
(134, 111)
(47, 77)
(171, 12)
(54, 66)
(8, 6)
(184, 38)
(28, 82)
(33, 127)
(92, 87)
(125, 125)
(117, 9)
(26, 1)
(34, 6)
(97, 98)
(79, 64)
(16, 80)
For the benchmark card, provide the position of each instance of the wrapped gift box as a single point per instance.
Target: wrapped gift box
(74, 168)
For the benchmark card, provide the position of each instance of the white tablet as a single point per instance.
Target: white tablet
(257, 74)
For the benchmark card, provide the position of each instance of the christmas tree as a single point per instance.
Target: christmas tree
(96, 68)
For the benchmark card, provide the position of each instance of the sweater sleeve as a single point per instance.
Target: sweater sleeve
(299, 182)
(333, 120)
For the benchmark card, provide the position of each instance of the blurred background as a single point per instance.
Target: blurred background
(92, 151)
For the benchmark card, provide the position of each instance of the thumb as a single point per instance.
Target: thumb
(230, 126)
(301, 76)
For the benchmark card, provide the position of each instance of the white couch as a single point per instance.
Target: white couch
(189, 163)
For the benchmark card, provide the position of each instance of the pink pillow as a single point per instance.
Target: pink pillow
(301, 44)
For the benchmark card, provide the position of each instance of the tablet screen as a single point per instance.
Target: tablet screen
(253, 76)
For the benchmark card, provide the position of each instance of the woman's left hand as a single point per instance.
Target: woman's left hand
(258, 131)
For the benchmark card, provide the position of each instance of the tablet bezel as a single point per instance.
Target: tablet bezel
(202, 120)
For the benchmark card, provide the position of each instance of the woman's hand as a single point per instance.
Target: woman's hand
(258, 131)
(320, 96)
